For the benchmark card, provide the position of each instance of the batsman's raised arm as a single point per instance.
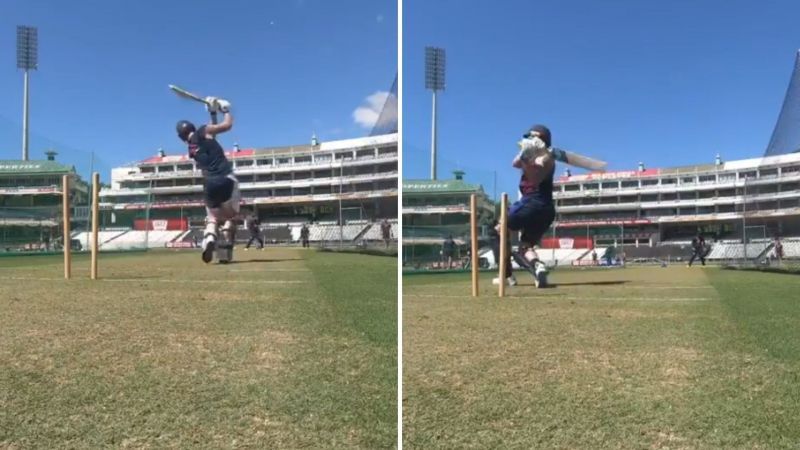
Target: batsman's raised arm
(537, 169)
(529, 149)
(517, 163)
(219, 105)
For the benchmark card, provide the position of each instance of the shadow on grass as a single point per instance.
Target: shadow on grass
(263, 260)
(787, 270)
(130, 276)
(589, 283)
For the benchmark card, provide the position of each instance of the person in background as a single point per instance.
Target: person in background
(778, 250)
(254, 227)
(698, 250)
(386, 232)
(304, 233)
(448, 251)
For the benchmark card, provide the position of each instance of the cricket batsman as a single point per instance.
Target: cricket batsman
(534, 212)
(220, 187)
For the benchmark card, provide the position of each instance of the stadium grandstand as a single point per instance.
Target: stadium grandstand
(434, 210)
(740, 207)
(31, 204)
(642, 215)
(340, 189)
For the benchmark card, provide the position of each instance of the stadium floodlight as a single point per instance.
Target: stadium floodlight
(27, 60)
(434, 81)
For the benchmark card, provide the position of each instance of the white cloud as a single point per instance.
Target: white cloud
(367, 114)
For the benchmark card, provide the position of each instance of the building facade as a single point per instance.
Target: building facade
(434, 210)
(745, 199)
(353, 179)
(31, 202)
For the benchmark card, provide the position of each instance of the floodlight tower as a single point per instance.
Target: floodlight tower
(27, 60)
(434, 80)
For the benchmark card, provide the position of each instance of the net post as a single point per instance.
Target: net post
(95, 222)
(65, 214)
(473, 233)
(501, 292)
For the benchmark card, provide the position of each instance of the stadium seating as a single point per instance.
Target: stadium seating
(562, 256)
(84, 237)
(675, 242)
(286, 232)
(729, 250)
(587, 257)
(277, 234)
(791, 248)
(193, 235)
(374, 232)
(295, 232)
(332, 232)
(134, 239)
(662, 252)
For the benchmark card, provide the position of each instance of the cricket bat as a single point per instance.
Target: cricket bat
(574, 159)
(180, 92)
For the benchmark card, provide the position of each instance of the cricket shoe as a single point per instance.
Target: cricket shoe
(523, 263)
(209, 245)
(540, 275)
(510, 281)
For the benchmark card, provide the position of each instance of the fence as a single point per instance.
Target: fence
(355, 234)
(447, 247)
(39, 229)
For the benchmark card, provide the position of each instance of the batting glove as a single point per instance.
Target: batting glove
(531, 147)
(212, 104)
(224, 105)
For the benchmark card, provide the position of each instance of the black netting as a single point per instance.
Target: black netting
(387, 120)
(786, 135)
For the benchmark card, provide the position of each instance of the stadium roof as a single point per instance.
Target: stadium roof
(440, 187)
(687, 169)
(740, 164)
(17, 166)
(342, 144)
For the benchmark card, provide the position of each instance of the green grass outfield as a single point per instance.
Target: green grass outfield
(642, 357)
(287, 348)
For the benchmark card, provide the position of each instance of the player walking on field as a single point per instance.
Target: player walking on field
(534, 212)
(386, 232)
(220, 187)
(698, 250)
(254, 227)
(304, 233)
(778, 250)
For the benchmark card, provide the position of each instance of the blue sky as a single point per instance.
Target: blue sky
(667, 83)
(289, 67)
